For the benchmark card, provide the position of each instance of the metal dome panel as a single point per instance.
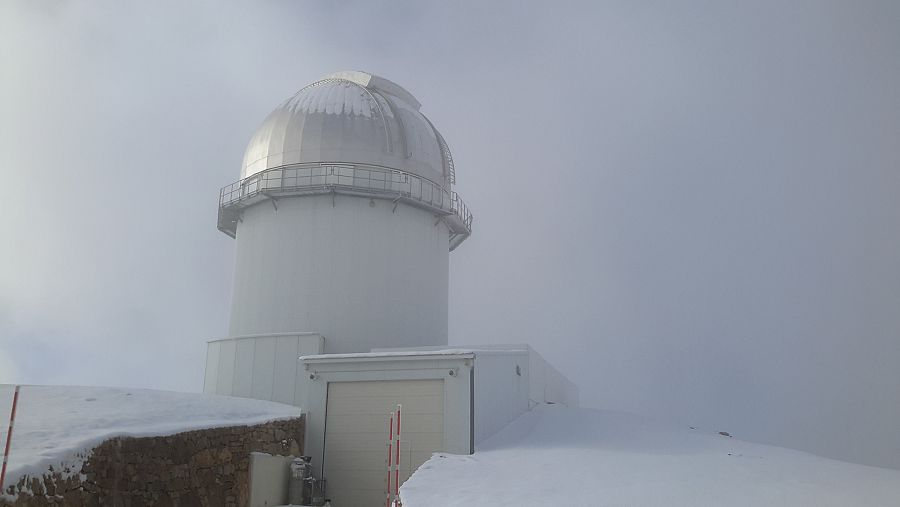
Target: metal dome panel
(351, 117)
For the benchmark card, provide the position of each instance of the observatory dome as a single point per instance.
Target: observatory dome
(351, 117)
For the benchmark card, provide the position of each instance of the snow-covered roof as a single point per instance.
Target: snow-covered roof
(55, 425)
(351, 117)
(556, 455)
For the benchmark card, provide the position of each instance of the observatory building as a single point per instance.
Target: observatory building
(344, 218)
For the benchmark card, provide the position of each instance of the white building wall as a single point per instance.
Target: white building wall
(457, 421)
(501, 390)
(547, 384)
(509, 380)
(363, 273)
(264, 367)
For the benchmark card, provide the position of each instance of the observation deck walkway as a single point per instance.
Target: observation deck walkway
(321, 178)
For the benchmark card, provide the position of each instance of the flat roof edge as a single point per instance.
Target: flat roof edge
(478, 349)
(388, 356)
(262, 335)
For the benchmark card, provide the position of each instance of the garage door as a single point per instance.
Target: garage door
(356, 421)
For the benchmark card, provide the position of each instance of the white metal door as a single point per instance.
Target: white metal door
(356, 425)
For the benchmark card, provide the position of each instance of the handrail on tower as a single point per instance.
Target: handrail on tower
(341, 178)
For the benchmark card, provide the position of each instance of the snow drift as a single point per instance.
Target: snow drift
(555, 455)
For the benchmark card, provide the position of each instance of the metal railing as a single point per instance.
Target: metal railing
(360, 179)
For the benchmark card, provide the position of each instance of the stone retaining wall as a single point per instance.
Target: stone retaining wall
(208, 468)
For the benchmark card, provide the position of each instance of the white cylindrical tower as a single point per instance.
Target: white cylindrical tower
(343, 218)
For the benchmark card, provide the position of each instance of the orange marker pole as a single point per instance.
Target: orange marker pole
(389, 462)
(397, 470)
(12, 420)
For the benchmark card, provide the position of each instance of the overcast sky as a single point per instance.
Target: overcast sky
(692, 208)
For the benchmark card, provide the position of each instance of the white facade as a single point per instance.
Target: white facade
(355, 270)
(453, 398)
(481, 391)
(508, 380)
(263, 367)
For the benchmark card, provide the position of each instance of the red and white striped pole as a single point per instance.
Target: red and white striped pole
(397, 470)
(12, 420)
(389, 460)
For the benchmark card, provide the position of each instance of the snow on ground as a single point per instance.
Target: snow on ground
(555, 455)
(58, 425)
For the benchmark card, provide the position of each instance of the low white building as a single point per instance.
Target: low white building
(344, 218)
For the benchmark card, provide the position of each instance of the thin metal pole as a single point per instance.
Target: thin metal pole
(389, 460)
(12, 419)
(397, 470)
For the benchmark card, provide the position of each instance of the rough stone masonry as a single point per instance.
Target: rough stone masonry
(206, 468)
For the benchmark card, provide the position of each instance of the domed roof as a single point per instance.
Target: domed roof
(351, 117)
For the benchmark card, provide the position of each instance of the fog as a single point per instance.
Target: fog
(690, 209)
